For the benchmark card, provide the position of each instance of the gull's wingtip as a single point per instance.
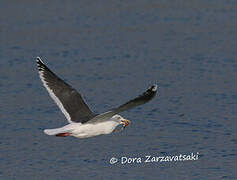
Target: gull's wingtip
(39, 60)
(154, 87)
(40, 64)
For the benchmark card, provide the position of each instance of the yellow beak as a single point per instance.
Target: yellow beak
(125, 123)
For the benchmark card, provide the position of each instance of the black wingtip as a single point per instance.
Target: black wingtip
(154, 87)
(40, 64)
(151, 92)
(39, 61)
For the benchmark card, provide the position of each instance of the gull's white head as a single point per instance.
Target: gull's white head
(121, 120)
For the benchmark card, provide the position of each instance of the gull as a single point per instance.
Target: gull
(83, 123)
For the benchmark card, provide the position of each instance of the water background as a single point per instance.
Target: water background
(111, 51)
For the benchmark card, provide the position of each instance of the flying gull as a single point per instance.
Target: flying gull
(83, 123)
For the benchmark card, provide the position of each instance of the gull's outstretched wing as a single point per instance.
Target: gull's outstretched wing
(67, 98)
(141, 99)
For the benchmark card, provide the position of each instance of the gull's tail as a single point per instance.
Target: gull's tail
(57, 132)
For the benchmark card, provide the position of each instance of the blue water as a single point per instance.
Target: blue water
(111, 51)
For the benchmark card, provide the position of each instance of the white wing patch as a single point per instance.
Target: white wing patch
(51, 93)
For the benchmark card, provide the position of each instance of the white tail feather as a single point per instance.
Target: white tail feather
(53, 131)
(64, 129)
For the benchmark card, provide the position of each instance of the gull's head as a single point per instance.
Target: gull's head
(121, 120)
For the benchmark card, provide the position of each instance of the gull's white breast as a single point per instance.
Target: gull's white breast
(92, 129)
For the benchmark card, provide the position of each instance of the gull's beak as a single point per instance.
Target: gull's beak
(125, 123)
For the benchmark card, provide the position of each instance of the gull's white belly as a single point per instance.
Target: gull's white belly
(88, 129)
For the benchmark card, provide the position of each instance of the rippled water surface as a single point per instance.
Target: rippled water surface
(111, 51)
